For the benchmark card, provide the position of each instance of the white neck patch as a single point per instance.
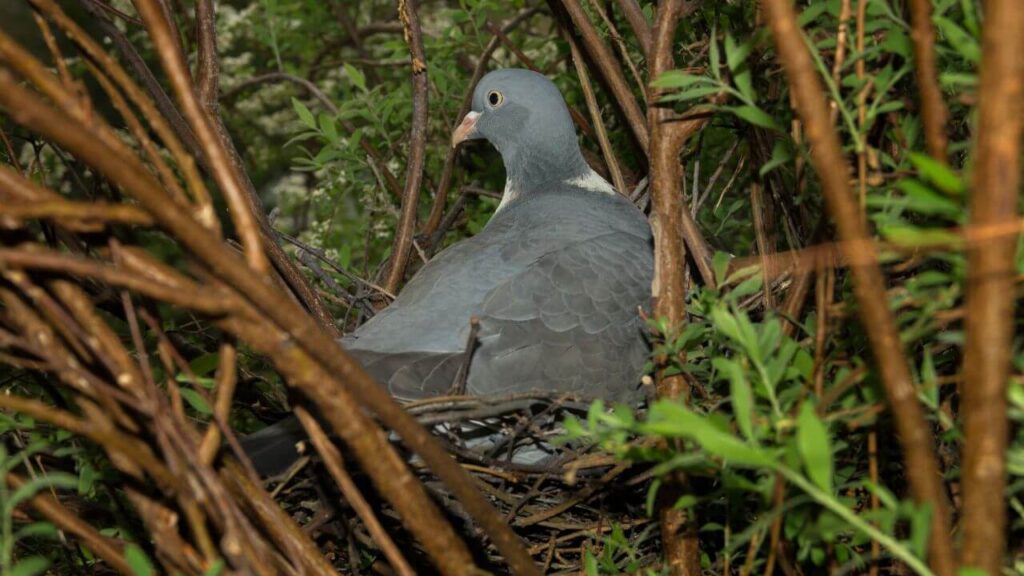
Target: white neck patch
(592, 182)
(508, 195)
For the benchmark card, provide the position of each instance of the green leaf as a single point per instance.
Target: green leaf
(913, 237)
(753, 115)
(197, 402)
(30, 566)
(782, 153)
(961, 40)
(736, 54)
(305, 116)
(37, 530)
(720, 265)
(328, 128)
(691, 94)
(942, 176)
(205, 364)
(811, 13)
(972, 572)
(215, 568)
(679, 79)
(740, 394)
(814, 446)
(356, 76)
(138, 561)
(31, 487)
(671, 419)
(923, 200)
(714, 60)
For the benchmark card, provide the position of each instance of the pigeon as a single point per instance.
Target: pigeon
(546, 298)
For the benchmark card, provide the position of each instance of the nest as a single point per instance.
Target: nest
(566, 500)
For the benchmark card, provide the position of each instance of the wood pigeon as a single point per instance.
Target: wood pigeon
(555, 279)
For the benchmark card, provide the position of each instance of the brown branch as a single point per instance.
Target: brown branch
(166, 122)
(109, 549)
(194, 297)
(610, 70)
(333, 461)
(635, 16)
(678, 527)
(989, 326)
(595, 115)
(912, 428)
(402, 245)
(933, 109)
(303, 333)
(207, 63)
(222, 168)
(225, 164)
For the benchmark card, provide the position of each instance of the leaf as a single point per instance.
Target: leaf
(671, 419)
(205, 364)
(138, 561)
(942, 176)
(781, 154)
(691, 94)
(37, 530)
(197, 402)
(961, 40)
(679, 79)
(30, 566)
(328, 128)
(305, 116)
(811, 13)
(736, 54)
(720, 265)
(215, 568)
(31, 487)
(754, 116)
(920, 527)
(740, 394)
(356, 76)
(714, 60)
(814, 446)
(913, 237)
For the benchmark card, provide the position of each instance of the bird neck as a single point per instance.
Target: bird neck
(532, 170)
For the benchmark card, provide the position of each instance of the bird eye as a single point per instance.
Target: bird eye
(494, 98)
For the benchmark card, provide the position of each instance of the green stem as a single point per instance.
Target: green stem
(826, 500)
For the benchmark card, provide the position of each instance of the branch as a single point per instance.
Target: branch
(635, 16)
(223, 170)
(989, 325)
(207, 62)
(610, 69)
(912, 428)
(678, 527)
(302, 332)
(933, 109)
(417, 148)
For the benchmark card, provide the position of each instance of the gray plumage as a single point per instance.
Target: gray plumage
(556, 277)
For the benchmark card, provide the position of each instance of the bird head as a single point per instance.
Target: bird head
(523, 115)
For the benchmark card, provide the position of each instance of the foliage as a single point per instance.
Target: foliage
(785, 439)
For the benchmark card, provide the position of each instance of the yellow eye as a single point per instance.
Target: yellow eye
(494, 98)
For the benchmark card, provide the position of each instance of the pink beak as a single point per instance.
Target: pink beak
(466, 129)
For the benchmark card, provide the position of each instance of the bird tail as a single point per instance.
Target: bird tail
(273, 449)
